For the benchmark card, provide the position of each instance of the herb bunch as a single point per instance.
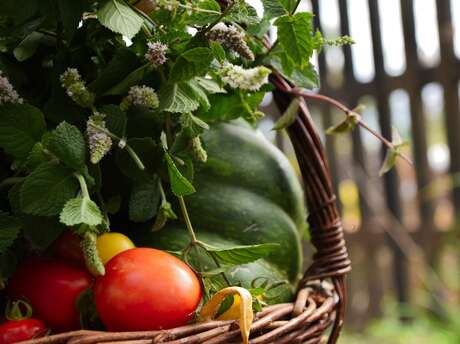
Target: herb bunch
(102, 105)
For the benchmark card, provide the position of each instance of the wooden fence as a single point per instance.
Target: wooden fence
(383, 224)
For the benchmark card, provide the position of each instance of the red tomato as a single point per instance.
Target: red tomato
(52, 289)
(14, 331)
(67, 247)
(146, 289)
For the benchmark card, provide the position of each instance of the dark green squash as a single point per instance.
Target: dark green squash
(247, 193)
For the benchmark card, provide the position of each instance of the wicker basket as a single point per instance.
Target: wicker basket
(319, 307)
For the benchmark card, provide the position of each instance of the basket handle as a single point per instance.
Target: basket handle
(331, 257)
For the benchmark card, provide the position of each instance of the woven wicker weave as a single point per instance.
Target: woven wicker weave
(319, 307)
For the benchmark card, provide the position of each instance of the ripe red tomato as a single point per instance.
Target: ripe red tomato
(67, 247)
(14, 331)
(146, 289)
(52, 289)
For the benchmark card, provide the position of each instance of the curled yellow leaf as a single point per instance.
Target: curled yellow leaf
(246, 317)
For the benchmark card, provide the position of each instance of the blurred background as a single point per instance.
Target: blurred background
(402, 228)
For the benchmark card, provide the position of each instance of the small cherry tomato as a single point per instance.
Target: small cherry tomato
(146, 289)
(52, 289)
(14, 331)
(110, 244)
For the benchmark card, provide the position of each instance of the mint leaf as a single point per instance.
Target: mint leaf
(191, 63)
(68, 144)
(41, 231)
(117, 16)
(218, 51)
(28, 46)
(144, 200)
(81, 210)
(45, 191)
(202, 18)
(180, 185)
(36, 157)
(273, 9)
(178, 97)
(288, 116)
(241, 254)
(294, 35)
(21, 126)
(210, 85)
(115, 119)
(133, 78)
(9, 230)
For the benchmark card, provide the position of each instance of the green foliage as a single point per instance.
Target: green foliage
(21, 126)
(51, 126)
(119, 17)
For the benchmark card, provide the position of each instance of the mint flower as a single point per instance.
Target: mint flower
(230, 38)
(98, 141)
(142, 97)
(198, 151)
(8, 94)
(156, 53)
(75, 88)
(246, 79)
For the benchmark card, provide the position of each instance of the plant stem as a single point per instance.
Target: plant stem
(10, 181)
(128, 148)
(218, 20)
(348, 112)
(216, 261)
(135, 157)
(188, 223)
(83, 186)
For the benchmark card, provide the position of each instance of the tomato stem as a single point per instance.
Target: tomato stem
(188, 223)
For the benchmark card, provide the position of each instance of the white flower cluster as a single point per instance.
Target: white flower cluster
(246, 79)
(8, 94)
(98, 141)
(156, 53)
(230, 38)
(140, 96)
(75, 88)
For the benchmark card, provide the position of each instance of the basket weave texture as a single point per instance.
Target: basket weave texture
(321, 296)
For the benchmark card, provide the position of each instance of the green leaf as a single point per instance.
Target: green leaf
(117, 16)
(21, 126)
(45, 191)
(243, 254)
(243, 13)
(180, 186)
(9, 230)
(115, 119)
(202, 18)
(210, 85)
(81, 210)
(36, 157)
(178, 97)
(294, 35)
(41, 231)
(273, 9)
(218, 51)
(28, 46)
(193, 125)
(144, 200)
(71, 14)
(120, 66)
(147, 150)
(389, 162)
(288, 116)
(68, 144)
(133, 78)
(191, 63)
